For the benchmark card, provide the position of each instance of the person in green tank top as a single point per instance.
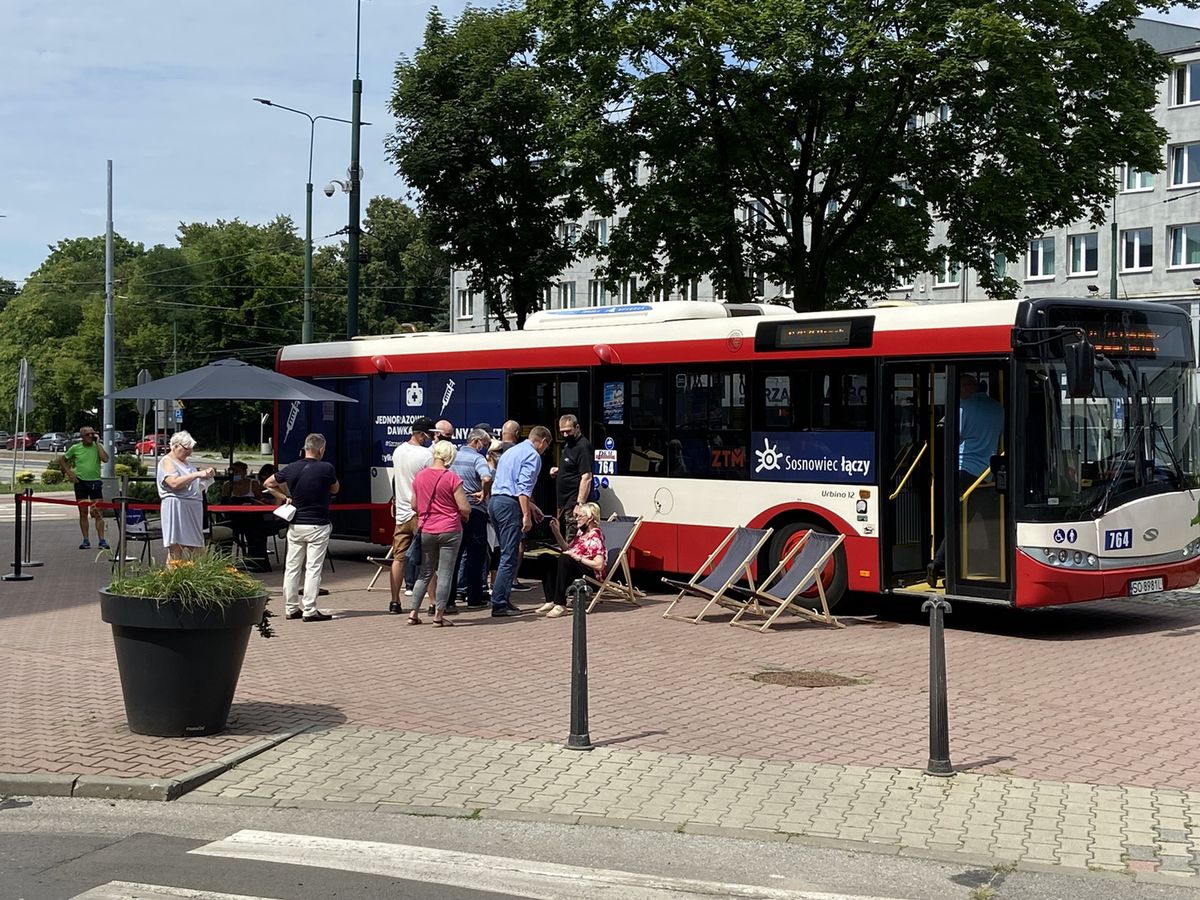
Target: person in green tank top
(81, 465)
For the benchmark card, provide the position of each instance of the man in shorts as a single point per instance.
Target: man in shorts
(81, 465)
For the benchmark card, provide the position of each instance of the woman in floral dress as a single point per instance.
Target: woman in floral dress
(585, 556)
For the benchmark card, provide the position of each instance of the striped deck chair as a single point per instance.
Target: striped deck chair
(798, 571)
(383, 564)
(724, 568)
(618, 538)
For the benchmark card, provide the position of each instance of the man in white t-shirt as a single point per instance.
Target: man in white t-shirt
(408, 459)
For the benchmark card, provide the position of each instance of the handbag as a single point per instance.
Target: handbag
(285, 511)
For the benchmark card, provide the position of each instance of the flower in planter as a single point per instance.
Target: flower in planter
(209, 581)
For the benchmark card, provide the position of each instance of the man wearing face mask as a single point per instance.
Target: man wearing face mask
(408, 459)
(573, 474)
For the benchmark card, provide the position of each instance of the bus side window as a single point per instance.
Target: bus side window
(635, 417)
(777, 394)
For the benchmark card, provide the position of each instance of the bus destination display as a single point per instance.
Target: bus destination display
(820, 334)
(1117, 333)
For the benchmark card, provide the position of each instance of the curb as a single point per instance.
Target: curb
(115, 788)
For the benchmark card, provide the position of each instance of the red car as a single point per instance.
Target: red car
(158, 444)
(25, 440)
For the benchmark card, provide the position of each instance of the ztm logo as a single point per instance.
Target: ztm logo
(768, 457)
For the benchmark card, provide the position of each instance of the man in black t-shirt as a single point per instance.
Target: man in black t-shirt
(573, 474)
(312, 482)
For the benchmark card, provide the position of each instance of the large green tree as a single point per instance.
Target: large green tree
(817, 143)
(479, 138)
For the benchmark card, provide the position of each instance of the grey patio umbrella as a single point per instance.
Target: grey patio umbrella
(229, 379)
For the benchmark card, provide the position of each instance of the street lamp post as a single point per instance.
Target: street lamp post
(355, 188)
(306, 331)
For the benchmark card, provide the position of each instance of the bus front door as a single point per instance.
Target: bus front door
(909, 455)
(977, 514)
(539, 398)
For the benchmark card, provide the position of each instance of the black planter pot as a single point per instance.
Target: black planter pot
(178, 668)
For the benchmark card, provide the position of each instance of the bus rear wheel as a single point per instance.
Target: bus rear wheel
(834, 576)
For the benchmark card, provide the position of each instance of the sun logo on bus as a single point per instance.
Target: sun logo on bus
(767, 458)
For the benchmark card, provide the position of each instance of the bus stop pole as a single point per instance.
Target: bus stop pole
(939, 725)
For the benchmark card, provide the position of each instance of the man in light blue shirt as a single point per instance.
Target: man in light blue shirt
(512, 509)
(472, 467)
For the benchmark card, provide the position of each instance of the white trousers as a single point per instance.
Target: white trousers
(306, 546)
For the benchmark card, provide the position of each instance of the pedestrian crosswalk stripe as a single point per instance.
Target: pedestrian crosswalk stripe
(131, 890)
(521, 877)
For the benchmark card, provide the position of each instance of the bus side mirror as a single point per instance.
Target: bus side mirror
(1080, 358)
(999, 466)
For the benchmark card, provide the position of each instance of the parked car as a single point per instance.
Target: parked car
(157, 444)
(25, 440)
(4, 436)
(125, 441)
(52, 441)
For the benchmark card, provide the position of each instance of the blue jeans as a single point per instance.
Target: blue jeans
(473, 558)
(506, 519)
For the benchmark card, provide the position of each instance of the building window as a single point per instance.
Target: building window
(690, 289)
(1185, 82)
(1085, 253)
(629, 288)
(599, 227)
(1134, 179)
(1000, 263)
(943, 112)
(597, 296)
(569, 232)
(1137, 249)
(547, 297)
(947, 275)
(1041, 258)
(1185, 244)
(466, 304)
(1185, 164)
(566, 295)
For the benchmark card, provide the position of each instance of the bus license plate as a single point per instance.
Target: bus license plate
(1145, 586)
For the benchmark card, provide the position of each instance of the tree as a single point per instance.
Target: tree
(817, 143)
(8, 290)
(478, 137)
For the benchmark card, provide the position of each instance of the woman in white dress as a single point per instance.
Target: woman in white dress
(180, 488)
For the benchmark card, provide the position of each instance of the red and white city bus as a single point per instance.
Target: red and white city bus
(706, 416)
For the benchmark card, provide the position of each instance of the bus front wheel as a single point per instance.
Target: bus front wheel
(834, 576)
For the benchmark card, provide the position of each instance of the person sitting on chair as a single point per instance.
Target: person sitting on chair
(586, 555)
(241, 486)
(251, 531)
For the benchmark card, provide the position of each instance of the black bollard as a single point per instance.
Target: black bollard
(27, 562)
(18, 540)
(939, 724)
(579, 739)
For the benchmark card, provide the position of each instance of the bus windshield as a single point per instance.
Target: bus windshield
(1135, 435)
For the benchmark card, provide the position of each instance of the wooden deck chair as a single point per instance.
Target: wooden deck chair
(724, 568)
(618, 538)
(383, 564)
(798, 571)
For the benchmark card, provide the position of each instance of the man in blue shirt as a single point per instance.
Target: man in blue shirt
(512, 509)
(980, 423)
(472, 467)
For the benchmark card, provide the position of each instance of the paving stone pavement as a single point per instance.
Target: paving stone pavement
(1153, 834)
(1095, 705)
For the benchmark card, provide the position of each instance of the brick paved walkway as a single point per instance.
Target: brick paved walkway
(1101, 694)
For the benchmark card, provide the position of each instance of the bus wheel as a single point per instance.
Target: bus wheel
(834, 576)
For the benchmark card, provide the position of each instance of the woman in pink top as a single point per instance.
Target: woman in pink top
(585, 556)
(441, 507)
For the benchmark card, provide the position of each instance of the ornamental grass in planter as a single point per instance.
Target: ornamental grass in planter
(180, 634)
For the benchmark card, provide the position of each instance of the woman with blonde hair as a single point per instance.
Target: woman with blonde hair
(585, 556)
(441, 506)
(181, 489)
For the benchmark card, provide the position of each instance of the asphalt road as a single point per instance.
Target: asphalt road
(53, 849)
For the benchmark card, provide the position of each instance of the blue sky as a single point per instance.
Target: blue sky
(164, 88)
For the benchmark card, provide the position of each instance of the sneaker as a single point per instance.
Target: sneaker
(395, 608)
(294, 614)
(322, 592)
(408, 592)
(518, 586)
(556, 612)
(451, 610)
(500, 612)
(104, 544)
(512, 610)
(85, 544)
(544, 608)
(318, 616)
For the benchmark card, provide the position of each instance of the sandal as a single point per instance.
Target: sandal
(413, 620)
(442, 623)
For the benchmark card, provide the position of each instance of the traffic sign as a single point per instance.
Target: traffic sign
(143, 404)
